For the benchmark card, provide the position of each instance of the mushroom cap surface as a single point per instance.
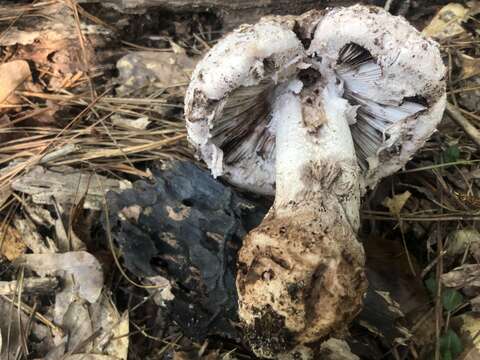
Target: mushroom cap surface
(392, 76)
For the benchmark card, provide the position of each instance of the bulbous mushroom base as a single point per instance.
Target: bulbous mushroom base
(300, 278)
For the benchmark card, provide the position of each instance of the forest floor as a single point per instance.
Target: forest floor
(91, 101)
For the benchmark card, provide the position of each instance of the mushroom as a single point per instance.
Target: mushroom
(313, 109)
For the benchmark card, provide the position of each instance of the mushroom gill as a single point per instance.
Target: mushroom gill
(376, 122)
(242, 129)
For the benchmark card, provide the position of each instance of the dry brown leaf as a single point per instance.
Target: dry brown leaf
(52, 38)
(396, 203)
(470, 66)
(12, 75)
(447, 22)
(11, 243)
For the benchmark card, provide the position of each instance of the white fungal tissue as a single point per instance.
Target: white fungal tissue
(391, 76)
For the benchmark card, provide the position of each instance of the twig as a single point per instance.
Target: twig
(463, 122)
(59, 153)
(29, 310)
(438, 298)
(431, 265)
(30, 286)
(436, 166)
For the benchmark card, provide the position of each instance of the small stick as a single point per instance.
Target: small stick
(463, 122)
(388, 5)
(29, 286)
(59, 153)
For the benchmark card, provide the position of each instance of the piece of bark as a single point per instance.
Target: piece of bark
(66, 185)
(231, 12)
(186, 227)
(29, 286)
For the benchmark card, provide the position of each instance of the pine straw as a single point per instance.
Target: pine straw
(89, 139)
(92, 140)
(461, 196)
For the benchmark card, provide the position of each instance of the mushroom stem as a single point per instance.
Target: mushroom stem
(314, 142)
(301, 272)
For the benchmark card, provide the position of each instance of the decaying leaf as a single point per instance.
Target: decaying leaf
(11, 242)
(465, 275)
(53, 40)
(459, 240)
(468, 327)
(32, 238)
(12, 75)
(396, 203)
(447, 22)
(82, 266)
(96, 328)
(112, 327)
(67, 186)
(470, 66)
(462, 240)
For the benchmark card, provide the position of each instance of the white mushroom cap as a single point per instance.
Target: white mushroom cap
(227, 103)
(391, 75)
